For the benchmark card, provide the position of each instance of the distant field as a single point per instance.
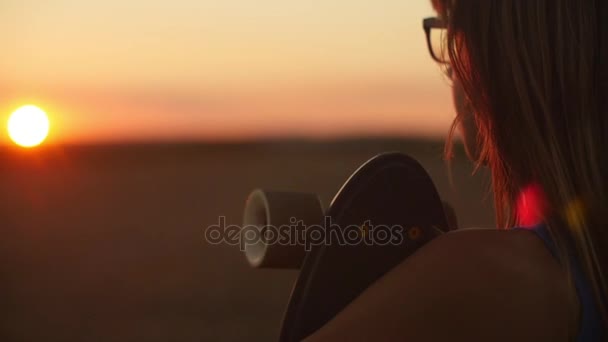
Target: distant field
(105, 243)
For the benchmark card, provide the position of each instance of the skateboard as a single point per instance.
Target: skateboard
(383, 213)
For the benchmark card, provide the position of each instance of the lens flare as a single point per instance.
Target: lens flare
(531, 206)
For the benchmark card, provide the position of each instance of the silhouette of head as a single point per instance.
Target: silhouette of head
(531, 89)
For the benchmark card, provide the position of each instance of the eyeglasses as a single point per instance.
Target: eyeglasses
(437, 39)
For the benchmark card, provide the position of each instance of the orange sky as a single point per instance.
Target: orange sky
(188, 69)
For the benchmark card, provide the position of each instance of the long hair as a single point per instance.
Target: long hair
(535, 73)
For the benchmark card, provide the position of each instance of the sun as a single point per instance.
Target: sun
(28, 126)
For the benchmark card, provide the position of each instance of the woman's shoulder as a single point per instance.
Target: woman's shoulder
(467, 284)
(494, 248)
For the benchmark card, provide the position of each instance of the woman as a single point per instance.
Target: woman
(531, 89)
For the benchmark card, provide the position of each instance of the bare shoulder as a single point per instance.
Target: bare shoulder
(468, 284)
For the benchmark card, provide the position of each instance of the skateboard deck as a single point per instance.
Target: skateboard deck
(383, 213)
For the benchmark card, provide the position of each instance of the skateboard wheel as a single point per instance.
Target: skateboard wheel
(273, 227)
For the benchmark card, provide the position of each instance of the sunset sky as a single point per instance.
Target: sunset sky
(116, 70)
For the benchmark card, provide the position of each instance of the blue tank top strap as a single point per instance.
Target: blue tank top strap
(591, 326)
